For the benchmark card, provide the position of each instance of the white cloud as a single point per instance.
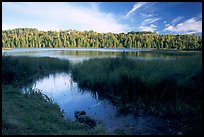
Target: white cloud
(177, 19)
(151, 28)
(189, 26)
(56, 16)
(135, 7)
(146, 15)
(167, 25)
(149, 21)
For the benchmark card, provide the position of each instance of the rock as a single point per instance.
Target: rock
(179, 133)
(87, 120)
(82, 118)
(79, 113)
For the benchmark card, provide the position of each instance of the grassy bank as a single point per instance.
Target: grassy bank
(31, 113)
(170, 89)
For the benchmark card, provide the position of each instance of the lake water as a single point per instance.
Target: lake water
(66, 93)
(80, 54)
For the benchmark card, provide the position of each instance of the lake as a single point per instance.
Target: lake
(80, 54)
(66, 93)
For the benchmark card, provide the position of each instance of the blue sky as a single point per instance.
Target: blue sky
(116, 17)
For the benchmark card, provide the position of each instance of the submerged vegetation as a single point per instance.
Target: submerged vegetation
(169, 89)
(32, 38)
(32, 112)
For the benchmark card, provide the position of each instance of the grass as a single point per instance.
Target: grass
(170, 89)
(32, 113)
(24, 70)
(166, 88)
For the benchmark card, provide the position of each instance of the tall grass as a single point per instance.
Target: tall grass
(171, 89)
(31, 113)
(166, 88)
(23, 70)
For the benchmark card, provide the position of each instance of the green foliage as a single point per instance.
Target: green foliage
(32, 38)
(170, 88)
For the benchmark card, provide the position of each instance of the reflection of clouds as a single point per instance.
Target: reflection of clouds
(55, 85)
(52, 84)
(65, 92)
(95, 104)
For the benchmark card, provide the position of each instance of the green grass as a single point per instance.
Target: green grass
(166, 88)
(170, 89)
(24, 70)
(31, 113)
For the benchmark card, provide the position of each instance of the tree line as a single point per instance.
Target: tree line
(33, 38)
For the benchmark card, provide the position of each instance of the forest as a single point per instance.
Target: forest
(33, 38)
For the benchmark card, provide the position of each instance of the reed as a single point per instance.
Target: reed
(166, 88)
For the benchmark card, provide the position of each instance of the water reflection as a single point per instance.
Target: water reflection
(80, 54)
(66, 93)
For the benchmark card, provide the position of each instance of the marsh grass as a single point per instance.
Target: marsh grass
(33, 113)
(166, 88)
(30, 114)
(170, 89)
(24, 70)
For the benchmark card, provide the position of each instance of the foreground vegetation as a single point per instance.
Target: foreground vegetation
(32, 112)
(32, 38)
(171, 89)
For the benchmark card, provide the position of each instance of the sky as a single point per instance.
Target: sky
(103, 17)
